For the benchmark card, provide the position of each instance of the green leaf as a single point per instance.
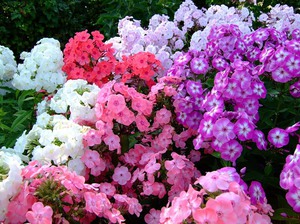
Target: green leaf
(22, 116)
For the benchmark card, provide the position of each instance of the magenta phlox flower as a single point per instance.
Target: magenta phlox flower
(221, 80)
(257, 193)
(244, 128)
(287, 177)
(231, 150)
(223, 130)
(40, 214)
(281, 75)
(258, 89)
(295, 89)
(199, 65)
(293, 198)
(259, 138)
(292, 65)
(278, 137)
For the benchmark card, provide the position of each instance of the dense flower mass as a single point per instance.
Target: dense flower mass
(41, 68)
(8, 67)
(153, 125)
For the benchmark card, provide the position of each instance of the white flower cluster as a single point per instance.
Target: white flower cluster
(55, 139)
(282, 18)
(218, 15)
(76, 98)
(8, 67)
(41, 68)
(10, 178)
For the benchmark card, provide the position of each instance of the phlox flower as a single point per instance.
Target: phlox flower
(113, 142)
(121, 175)
(281, 75)
(223, 130)
(96, 203)
(116, 103)
(259, 138)
(40, 214)
(278, 137)
(223, 209)
(142, 123)
(199, 65)
(153, 216)
(257, 193)
(244, 128)
(162, 116)
(293, 198)
(214, 181)
(205, 216)
(114, 215)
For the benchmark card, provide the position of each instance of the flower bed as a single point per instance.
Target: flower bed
(194, 120)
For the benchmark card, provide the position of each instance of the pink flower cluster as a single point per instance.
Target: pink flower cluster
(222, 198)
(54, 194)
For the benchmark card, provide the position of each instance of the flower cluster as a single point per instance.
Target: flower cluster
(145, 120)
(8, 67)
(221, 199)
(42, 67)
(289, 179)
(89, 59)
(10, 178)
(54, 139)
(55, 194)
(281, 17)
(75, 100)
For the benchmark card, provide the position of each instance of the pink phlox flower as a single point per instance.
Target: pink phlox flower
(223, 130)
(73, 182)
(205, 216)
(142, 106)
(116, 103)
(159, 190)
(162, 116)
(178, 162)
(142, 123)
(40, 214)
(121, 175)
(214, 181)
(295, 127)
(113, 142)
(19, 205)
(93, 137)
(125, 117)
(96, 203)
(278, 137)
(107, 188)
(152, 166)
(91, 158)
(223, 209)
(153, 216)
(114, 216)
